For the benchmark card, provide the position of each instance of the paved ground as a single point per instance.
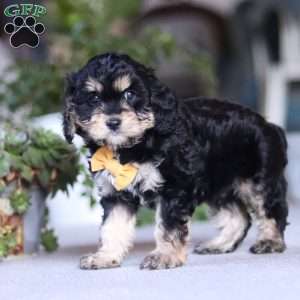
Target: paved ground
(240, 275)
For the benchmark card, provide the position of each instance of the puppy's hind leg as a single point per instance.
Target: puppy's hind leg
(117, 234)
(268, 208)
(233, 222)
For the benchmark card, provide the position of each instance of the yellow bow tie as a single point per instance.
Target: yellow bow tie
(124, 174)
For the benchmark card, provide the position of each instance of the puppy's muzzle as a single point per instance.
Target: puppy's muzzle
(113, 123)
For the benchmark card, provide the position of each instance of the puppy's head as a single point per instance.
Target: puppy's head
(114, 100)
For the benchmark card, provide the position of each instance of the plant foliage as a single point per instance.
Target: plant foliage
(37, 156)
(49, 240)
(33, 157)
(7, 241)
(76, 31)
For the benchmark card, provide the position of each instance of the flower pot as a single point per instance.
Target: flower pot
(23, 230)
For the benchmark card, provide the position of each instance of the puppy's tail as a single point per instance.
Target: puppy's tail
(282, 137)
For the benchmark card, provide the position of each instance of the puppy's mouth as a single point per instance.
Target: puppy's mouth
(115, 132)
(118, 139)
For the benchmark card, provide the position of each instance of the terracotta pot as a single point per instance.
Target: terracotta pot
(27, 227)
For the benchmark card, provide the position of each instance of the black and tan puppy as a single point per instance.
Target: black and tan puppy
(183, 153)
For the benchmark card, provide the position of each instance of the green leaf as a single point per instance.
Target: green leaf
(34, 157)
(44, 177)
(11, 241)
(26, 173)
(200, 213)
(15, 143)
(3, 248)
(49, 240)
(88, 182)
(2, 186)
(145, 217)
(4, 164)
(93, 201)
(8, 242)
(16, 162)
(19, 201)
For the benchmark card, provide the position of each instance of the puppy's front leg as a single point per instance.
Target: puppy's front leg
(117, 234)
(171, 234)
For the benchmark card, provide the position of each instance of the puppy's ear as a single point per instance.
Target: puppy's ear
(163, 101)
(164, 105)
(68, 114)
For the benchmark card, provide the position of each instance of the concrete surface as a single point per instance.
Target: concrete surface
(239, 275)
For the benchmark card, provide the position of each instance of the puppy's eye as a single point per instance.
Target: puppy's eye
(129, 96)
(95, 99)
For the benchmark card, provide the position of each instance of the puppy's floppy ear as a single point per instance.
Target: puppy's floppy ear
(164, 105)
(163, 101)
(69, 128)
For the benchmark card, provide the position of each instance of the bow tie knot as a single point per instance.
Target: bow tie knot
(123, 175)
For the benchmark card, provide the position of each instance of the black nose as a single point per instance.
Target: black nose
(113, 123)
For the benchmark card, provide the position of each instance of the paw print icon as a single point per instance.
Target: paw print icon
(24, 32)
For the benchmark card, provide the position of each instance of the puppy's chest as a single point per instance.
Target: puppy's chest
(148, 178)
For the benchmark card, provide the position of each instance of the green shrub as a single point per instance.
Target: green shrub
(77, 31)
(31, 157)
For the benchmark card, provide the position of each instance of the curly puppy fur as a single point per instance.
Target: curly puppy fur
(187, 152)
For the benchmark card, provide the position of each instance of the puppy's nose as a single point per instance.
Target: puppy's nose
(113, 123)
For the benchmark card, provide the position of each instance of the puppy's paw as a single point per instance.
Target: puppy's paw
(98, 260)
(211, 250)
(158, 260)
(268, 246)
(203, 251)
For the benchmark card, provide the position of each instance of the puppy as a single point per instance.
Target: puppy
(181, 153)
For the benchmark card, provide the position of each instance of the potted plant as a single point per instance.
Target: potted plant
(34, 163)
